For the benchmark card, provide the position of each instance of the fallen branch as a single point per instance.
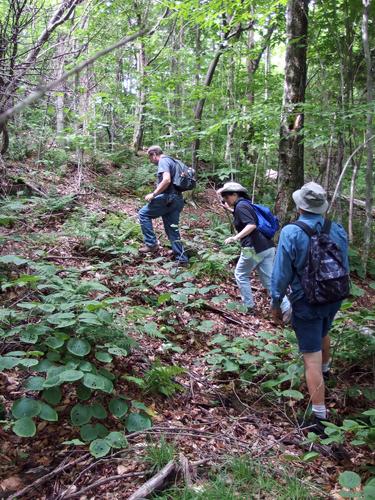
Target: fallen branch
(230, 319)
(48, 476)
(100, 482)
(155, 482)
(185, 469)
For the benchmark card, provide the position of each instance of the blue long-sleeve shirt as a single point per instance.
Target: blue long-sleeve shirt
(292, 252)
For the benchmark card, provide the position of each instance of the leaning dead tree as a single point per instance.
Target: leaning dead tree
(20, 55)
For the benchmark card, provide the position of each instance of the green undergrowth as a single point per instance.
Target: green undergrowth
(243, 477)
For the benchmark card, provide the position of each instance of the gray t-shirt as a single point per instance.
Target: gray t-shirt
(166, 164)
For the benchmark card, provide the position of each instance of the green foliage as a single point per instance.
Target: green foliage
(56, 329)
(259, 358)
(351, 482)
(159, 379)
(360, 431)
(159, 453)
(113, 234)
(244, 478)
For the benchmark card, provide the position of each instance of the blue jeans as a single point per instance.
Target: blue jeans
(263, 262)
(168, 207)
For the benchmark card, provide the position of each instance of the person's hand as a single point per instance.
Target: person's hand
(277, 315)
(232, 239)
(227, 207)
(149, 197)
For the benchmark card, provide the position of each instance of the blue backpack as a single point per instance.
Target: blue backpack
(268, 224)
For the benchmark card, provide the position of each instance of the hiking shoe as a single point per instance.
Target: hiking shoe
(313, 424)
(148, 249)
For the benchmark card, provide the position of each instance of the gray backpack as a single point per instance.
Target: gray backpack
(183, 177)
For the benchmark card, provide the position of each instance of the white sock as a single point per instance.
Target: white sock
(320, 411)
(326, 366)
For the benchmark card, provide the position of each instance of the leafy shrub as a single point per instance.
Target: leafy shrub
(54, 332)
(258, 358)
(109, 234)
(159, 379)
(55, 157)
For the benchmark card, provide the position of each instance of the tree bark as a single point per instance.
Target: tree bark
(369, 133)
(291, 149)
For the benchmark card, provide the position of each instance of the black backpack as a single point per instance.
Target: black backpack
(324, 279)
(183, 177)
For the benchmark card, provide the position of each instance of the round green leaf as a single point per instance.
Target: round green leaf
(349, 479)
(99, 448)
(25, 407)
(83, 393)
(34, 384)
(86, 366)
(24, 427)
(71, 375)
(80, 414)
(117, 440)
(28, 363)
(104, 357)
(98, 411)
(52, 395)
(118, 407)
(52, 381)
(101, 430)
(54, 342)
(48, 413)
(117, 351)
(97, 383)
(78, 347)
(88, 432)
(137, 422)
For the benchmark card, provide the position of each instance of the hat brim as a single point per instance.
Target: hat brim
(227, 190)
(300, 203)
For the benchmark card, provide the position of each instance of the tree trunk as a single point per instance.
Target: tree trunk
(369, 133)
(291, 149)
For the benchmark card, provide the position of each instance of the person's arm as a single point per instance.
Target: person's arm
(248, 229)
(282, 273)
(160, 187)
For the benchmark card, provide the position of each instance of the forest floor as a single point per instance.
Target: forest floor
(213, 416)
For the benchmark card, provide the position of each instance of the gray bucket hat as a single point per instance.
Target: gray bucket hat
(232, 187)
(311, 198)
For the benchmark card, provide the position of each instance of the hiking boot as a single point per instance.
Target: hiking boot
(148, 249)
(313, 424)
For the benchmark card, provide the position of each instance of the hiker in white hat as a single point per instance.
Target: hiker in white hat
(306, 247)
(257, 250)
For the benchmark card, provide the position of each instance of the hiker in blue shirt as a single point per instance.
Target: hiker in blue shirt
(311, 322)
(165, 202)
(258, 251)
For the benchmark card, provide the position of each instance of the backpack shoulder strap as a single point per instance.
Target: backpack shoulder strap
(251, 206)
(326, 226)
(305, 227)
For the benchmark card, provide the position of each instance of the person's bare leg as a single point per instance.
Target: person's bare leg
(314, 377)
(326, 344)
